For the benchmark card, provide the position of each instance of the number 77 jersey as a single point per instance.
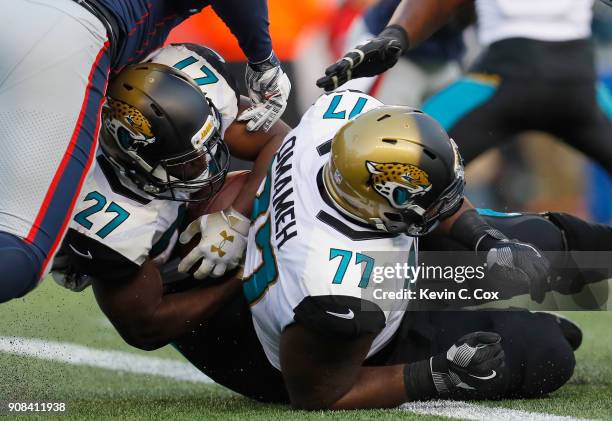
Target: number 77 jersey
(306, 262)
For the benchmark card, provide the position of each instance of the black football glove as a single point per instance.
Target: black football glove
(514, 264)
(369, 59)
(471, 368)
(474, 362)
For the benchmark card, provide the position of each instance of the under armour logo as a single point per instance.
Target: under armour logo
(219, 249)
(226, 237)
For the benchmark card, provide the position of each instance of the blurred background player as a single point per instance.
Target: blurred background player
(292, 30)
(537, 73)
(56, 60)
(419, 72)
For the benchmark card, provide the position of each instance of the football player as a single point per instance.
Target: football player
(167, 131)
(298, 294)
(531, 48)
(56, 60)
(419, 72)
(352, 188)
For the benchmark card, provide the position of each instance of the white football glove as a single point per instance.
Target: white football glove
(222, 245)
(269, 89)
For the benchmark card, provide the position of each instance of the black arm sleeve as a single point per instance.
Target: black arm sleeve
(248, 21)
(473, 232)
(87, 256)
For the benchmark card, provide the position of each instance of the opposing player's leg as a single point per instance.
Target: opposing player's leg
(585, 121)
(52, 81)
(538, 357)
(18, 262)
(475, 112)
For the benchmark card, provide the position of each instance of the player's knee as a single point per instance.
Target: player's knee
(549, 366)
(20, 265)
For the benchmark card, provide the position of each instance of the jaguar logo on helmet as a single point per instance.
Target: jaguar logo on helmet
(128, 125)
(397, 182)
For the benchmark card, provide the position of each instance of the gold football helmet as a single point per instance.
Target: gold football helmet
(395, 168)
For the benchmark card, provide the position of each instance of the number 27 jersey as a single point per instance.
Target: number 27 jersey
(305, 261)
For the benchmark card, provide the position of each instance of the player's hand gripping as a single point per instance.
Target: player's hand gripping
(369, 59)
(221, 246)
(471, 368)
(511, 263)
(268, 88)
(474, 362)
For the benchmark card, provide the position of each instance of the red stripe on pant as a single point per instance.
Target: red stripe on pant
(373, 91)
(64, 163)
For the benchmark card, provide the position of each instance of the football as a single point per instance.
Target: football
(234, 181)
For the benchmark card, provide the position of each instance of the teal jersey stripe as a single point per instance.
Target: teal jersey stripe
(256, 285)
(454, 102)
(491, 212)
(604, 98)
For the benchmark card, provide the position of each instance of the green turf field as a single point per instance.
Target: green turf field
(53, 314)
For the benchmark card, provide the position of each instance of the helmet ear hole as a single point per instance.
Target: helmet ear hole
(128, 87)
(156, 110)
(429, 154)
(391, 141)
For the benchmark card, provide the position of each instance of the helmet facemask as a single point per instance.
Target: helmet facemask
(415, 221)
(192, 177)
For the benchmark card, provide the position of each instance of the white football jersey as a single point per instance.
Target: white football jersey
(544, 20)
(126, 221)
(301, 251)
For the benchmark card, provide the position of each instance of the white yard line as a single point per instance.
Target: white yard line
(469, 411)
(70, 353)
